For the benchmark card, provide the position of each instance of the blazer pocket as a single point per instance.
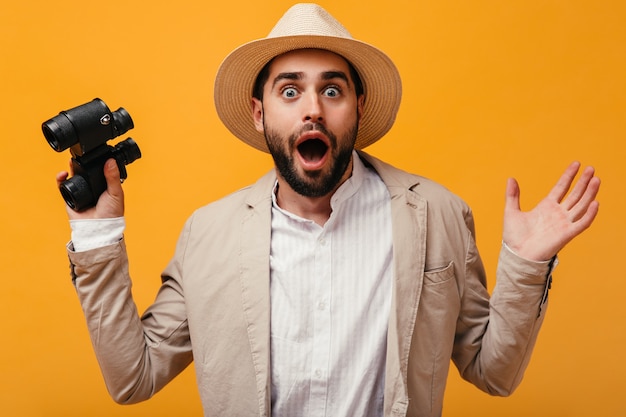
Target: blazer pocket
(439, 275)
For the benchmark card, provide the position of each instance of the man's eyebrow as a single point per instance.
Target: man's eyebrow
(287, 76)
(329, 75)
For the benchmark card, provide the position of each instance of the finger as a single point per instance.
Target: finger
(562, 186)
(585, 202)
(587, 219)
(579, 189)
(512, 195)
(61, 176)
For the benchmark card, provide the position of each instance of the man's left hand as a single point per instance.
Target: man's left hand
(539, 234)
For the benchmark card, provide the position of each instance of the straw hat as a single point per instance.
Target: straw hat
(307, 26)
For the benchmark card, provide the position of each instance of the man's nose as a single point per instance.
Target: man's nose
(313, 110)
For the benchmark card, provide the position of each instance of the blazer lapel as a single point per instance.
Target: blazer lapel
(409, 222)
(254, 276)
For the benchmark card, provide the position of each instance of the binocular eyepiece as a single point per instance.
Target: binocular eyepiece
(85, 129)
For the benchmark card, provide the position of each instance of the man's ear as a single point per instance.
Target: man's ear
(257, 114)
(359, 106)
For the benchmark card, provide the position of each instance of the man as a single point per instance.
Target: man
(336, 285)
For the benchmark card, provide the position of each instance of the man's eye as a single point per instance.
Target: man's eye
(290, 92)
(332, 92)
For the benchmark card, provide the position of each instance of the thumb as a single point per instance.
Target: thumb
(512, 195)
(112, 176)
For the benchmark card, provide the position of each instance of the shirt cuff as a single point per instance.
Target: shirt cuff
(96, 233)
(550, 263)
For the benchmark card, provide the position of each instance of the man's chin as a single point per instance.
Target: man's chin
(311, 187)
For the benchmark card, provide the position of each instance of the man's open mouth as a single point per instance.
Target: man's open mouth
(312, 150)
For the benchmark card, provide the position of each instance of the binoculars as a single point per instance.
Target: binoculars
(85, 129)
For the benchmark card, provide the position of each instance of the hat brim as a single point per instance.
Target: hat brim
(236, 76)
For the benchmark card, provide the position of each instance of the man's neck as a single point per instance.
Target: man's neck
(317, 209)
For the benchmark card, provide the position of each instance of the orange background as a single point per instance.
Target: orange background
(491, 89)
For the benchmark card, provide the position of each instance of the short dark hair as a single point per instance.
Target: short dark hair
(264, 74)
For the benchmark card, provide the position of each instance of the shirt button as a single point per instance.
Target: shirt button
(322, 241)
(318, 373)
(321, 305)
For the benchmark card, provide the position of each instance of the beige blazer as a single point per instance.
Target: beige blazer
(213, 306)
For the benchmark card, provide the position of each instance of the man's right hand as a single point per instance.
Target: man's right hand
(110, 203)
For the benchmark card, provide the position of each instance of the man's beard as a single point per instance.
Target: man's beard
(311, 184)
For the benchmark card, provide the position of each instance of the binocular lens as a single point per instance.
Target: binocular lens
(77, 193)
(122, 121)
(60, 133)
(128, 150)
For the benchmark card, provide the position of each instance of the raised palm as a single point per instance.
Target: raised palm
(563, 214)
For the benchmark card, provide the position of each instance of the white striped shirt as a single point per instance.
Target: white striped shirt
(331, 292)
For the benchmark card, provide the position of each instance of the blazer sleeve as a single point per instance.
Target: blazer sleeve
(137, 355)
(495, 336)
